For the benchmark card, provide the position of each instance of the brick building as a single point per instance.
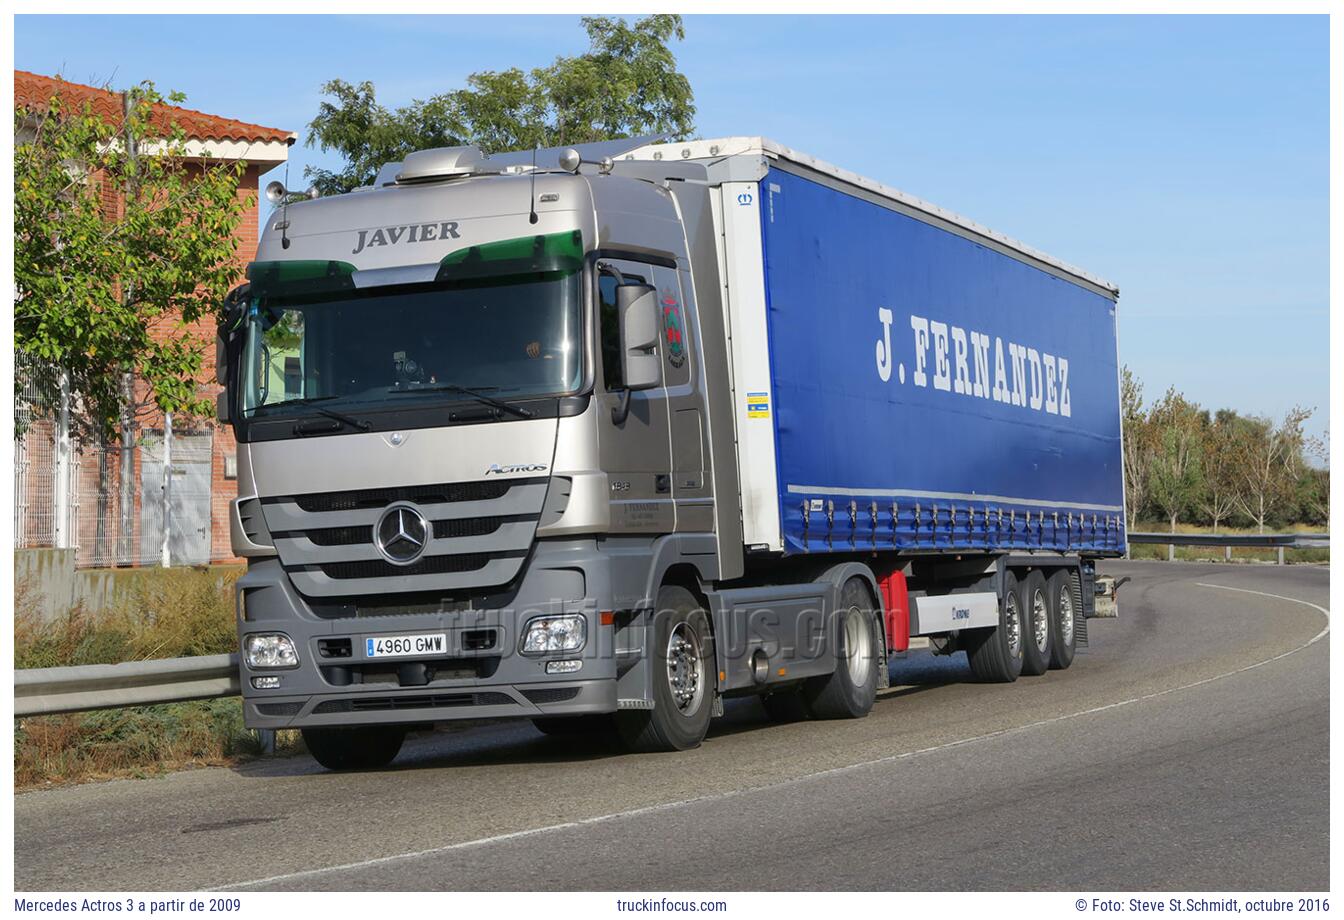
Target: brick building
(62, 490)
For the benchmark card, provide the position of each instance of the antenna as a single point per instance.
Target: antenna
(532, 195)
(284, 212)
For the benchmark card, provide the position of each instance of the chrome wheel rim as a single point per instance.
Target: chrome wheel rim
(858, 645)
(1040, 621)
(1012, 621)
(1066, 615)
(685, 668)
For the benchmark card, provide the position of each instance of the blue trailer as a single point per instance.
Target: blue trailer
(932, 393)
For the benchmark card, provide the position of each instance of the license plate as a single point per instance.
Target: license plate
(402, 646)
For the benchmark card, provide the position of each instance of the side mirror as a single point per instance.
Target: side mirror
(222, 407)
(641, 366)
(227, 332)
(221, 359)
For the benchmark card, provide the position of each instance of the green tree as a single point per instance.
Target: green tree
(626, 84)
(1138, 445)
(104, 291)
(1218, 499)
(1175, 474)
(1269, 459)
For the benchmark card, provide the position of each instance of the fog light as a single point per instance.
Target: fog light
(558, 667)
(267, 682)
(270, 650)
(555, 634)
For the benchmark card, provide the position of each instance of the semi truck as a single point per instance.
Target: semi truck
(601, 436)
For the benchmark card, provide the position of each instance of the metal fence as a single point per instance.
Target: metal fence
(1276, 541)
(149, 504)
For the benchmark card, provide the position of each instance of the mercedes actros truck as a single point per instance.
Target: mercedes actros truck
(601, 436)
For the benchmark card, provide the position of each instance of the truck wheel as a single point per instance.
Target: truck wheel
(1038, 640)
(683, 678)
(785, 705)
(362, 748)
(996, 654)
(848, 691)
(1059, 592)
(570, 726)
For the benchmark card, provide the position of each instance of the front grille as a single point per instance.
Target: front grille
(551, 695)
(352, 536)
(430, 701)
(423, 495)
(482, 533)
(428, 565)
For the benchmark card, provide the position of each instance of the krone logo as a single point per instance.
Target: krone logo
(401, 534)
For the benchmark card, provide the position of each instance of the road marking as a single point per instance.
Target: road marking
(834, 771)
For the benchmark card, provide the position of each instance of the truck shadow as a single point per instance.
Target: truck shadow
(517, 742)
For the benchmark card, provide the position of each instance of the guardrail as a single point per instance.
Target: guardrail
(45, 691)
(1279, 541)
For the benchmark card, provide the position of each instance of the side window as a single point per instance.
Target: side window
(610, 327)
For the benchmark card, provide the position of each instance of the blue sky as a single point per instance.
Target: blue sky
(1185, 158)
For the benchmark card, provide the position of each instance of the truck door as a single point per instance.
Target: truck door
(636, 453)
(681, 359)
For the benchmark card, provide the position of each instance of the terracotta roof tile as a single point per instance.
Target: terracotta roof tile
(34, 90)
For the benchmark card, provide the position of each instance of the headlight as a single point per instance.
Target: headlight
(270, 650)
(555, 634)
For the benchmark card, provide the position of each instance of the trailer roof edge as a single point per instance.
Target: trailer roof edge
(725, 147)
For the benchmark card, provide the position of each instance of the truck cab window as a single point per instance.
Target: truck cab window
(610, 326)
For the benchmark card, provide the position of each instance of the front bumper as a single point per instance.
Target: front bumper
(407, 706)
(477, 674)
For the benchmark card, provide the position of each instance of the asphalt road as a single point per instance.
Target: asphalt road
(1186, 749)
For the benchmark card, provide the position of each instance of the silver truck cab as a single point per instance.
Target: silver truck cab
(478, 428)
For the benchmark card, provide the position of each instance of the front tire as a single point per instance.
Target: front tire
(1059, 591)
(363, 748)
(683, 681)
(848, 692)
(996, 654)
(1038, 642)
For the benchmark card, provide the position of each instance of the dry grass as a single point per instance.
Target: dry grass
(167, 613)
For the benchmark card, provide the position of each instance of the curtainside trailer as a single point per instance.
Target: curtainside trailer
(601, 436)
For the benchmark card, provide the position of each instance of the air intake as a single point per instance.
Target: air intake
(441, 163)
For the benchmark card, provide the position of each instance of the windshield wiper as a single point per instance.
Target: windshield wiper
(305, 428)
(468, 391)
(341, 417)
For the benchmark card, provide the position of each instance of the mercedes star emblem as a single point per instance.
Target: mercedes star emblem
(401, 534)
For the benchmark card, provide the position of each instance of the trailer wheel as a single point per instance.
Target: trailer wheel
(996, 654)
(570, 726)
(848, 692)
(362, 748)
(1059, 592)
(785, 705)
(1038, 636)
(683, 678)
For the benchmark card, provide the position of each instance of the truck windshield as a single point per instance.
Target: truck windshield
(509, 336)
